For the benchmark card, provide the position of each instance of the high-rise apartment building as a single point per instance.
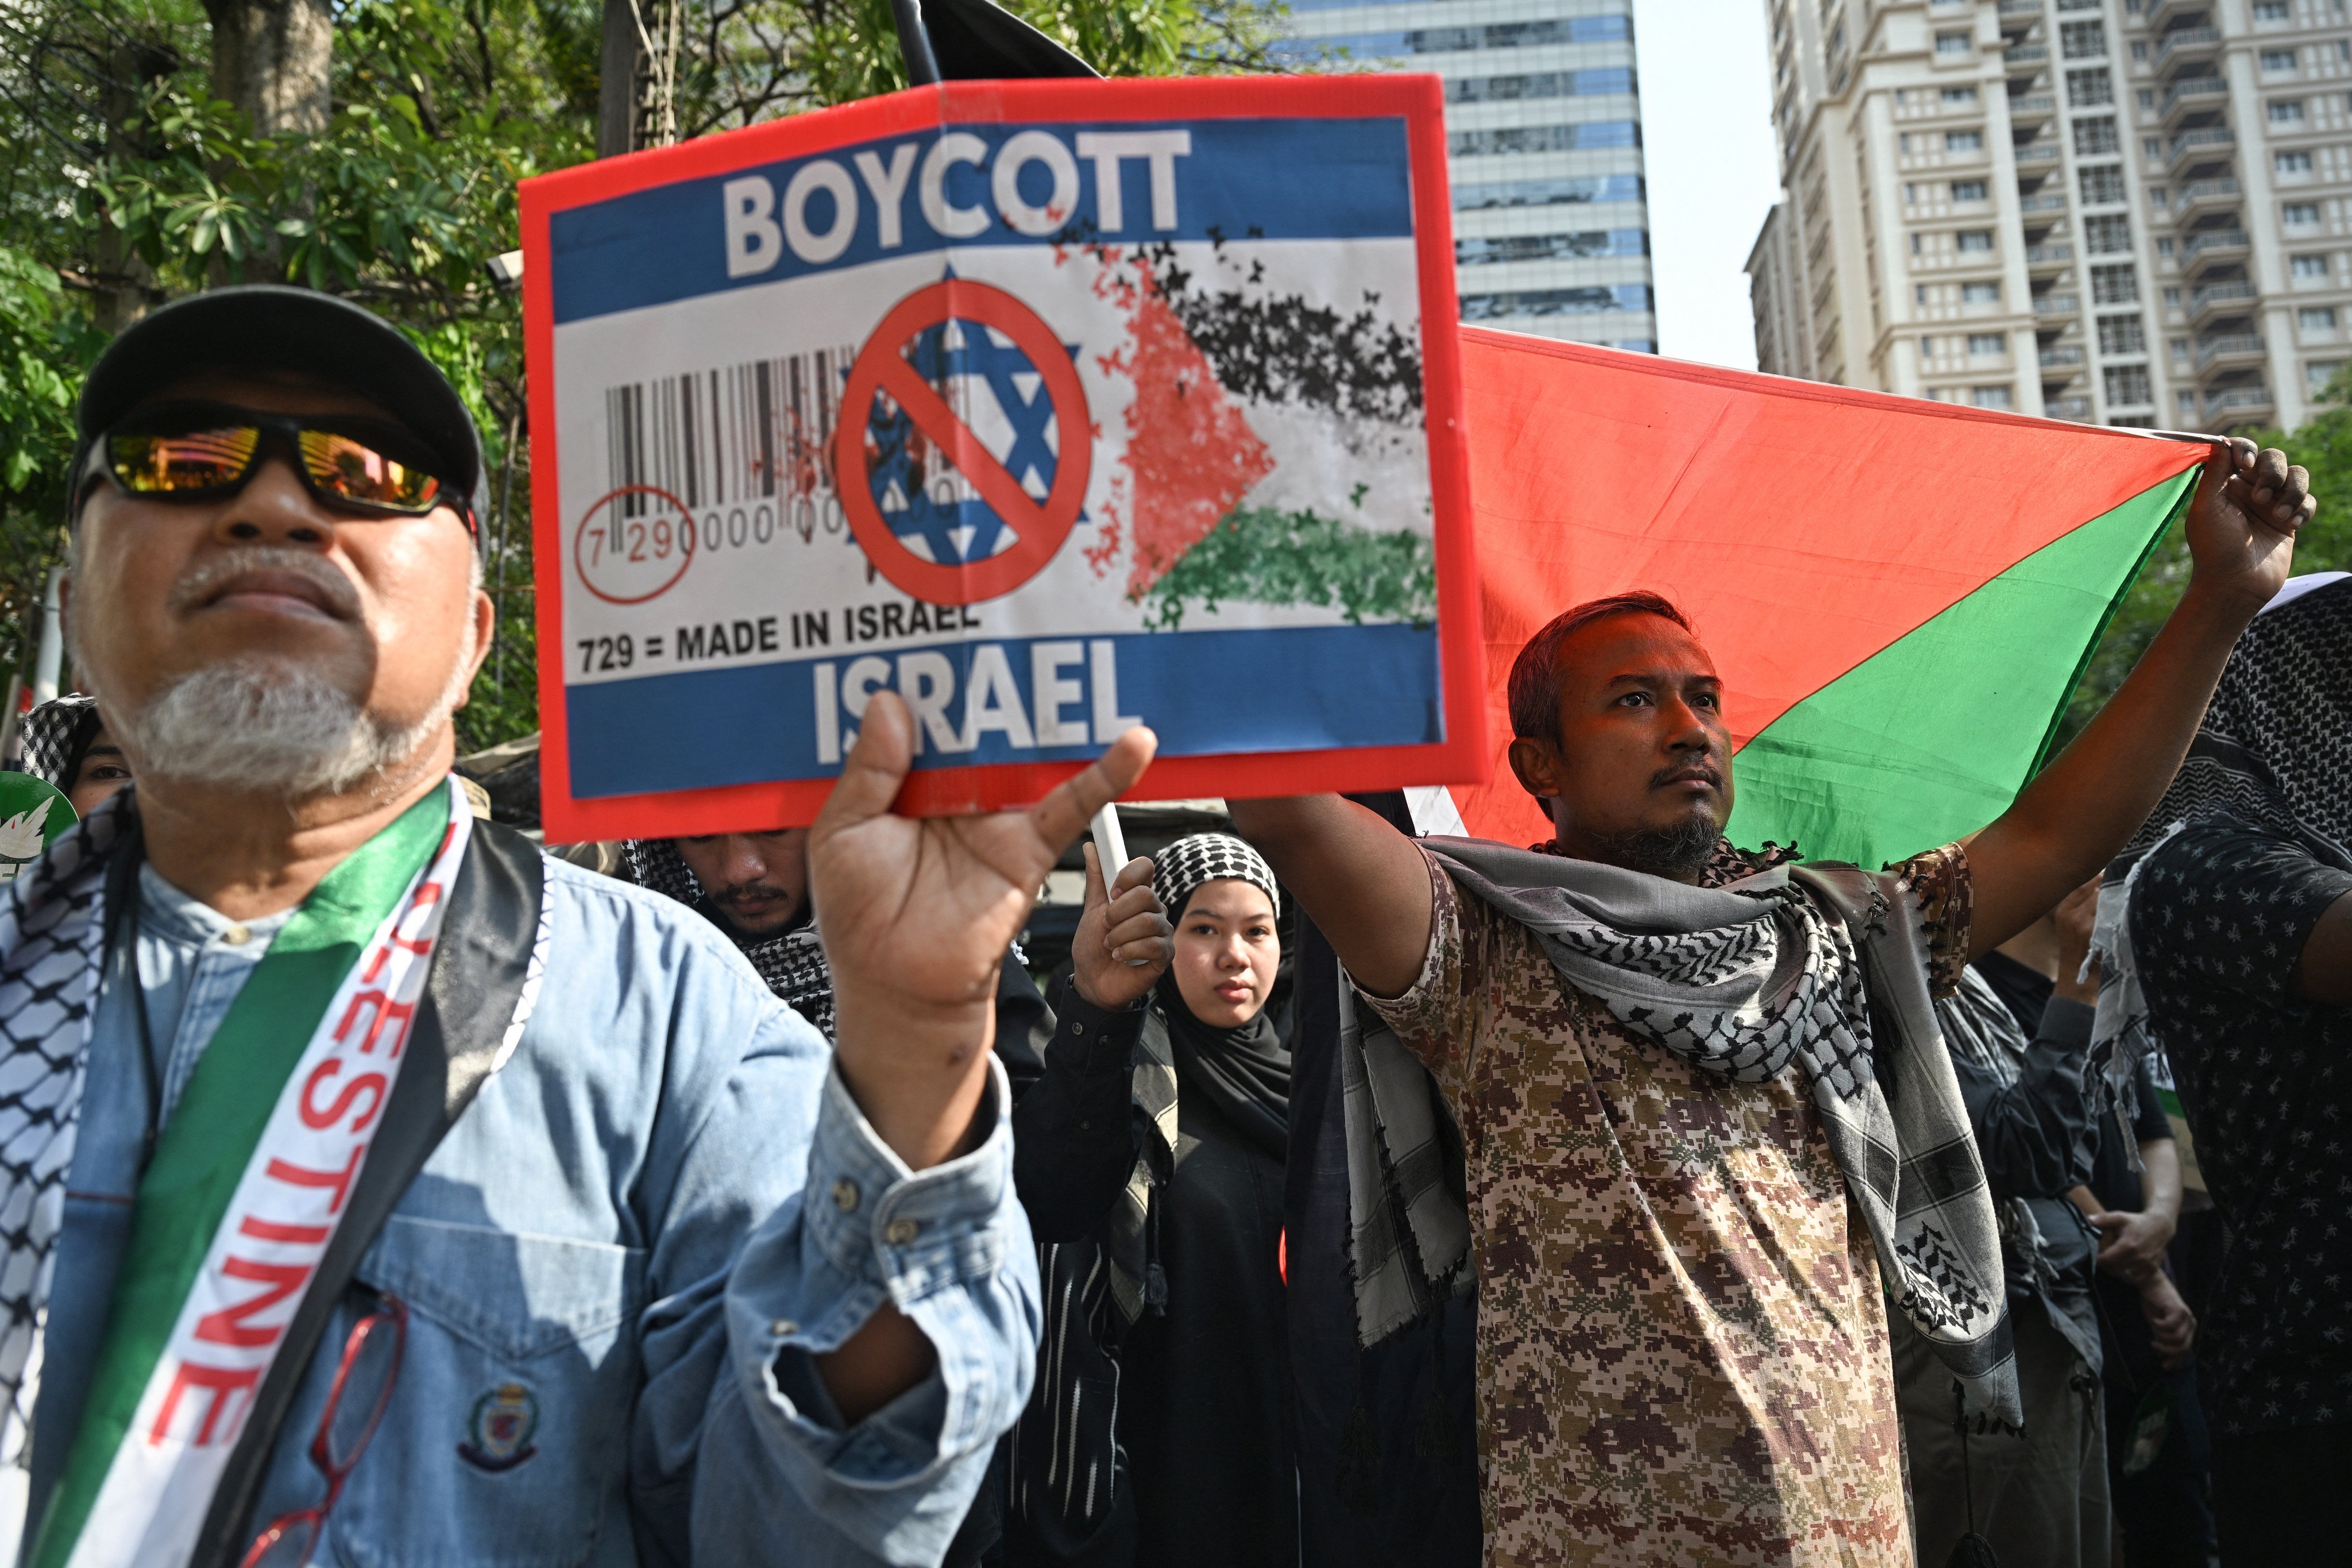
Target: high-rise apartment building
(2133, 212)
(1551, 230)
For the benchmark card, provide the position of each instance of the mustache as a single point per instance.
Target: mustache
(1706, 769)
(210, 577)
(748, 890)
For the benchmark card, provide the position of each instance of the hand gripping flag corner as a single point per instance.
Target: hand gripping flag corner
(1899, 595)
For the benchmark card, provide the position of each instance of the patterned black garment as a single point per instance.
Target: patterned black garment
(2219, 916)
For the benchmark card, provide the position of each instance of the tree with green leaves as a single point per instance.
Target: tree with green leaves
(371, 148)
(2323, 447)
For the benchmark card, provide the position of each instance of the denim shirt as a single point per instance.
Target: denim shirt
(613, 1285)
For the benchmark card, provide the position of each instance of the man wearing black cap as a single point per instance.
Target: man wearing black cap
(375, 1189)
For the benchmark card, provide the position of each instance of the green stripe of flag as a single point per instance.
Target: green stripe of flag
(1931, 738)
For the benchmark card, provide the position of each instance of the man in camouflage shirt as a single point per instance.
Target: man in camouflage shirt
(1682, 1338)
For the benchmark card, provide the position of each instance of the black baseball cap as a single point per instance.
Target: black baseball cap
(271, 327)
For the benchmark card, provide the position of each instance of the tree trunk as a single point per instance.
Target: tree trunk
(271, 58)
(635, 101)
(125, 283)
(617, 85)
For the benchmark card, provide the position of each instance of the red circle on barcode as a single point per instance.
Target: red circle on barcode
(618, 556)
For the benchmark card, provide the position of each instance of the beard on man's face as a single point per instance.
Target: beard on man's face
(1678, 852)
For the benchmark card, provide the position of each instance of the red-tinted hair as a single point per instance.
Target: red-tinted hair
(1535, 674)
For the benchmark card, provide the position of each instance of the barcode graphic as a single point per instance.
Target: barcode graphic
(749, 432)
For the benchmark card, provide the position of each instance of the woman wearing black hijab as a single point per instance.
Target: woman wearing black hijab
(1151, 1161)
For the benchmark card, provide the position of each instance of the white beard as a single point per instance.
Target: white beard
(273, 726)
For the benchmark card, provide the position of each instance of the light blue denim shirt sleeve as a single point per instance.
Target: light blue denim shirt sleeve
(614, 1286)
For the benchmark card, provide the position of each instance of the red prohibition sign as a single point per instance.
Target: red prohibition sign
(1038, 528)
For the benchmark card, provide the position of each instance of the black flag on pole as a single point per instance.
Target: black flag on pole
(973, 40)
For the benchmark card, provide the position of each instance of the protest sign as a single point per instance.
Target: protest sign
(1054, 406)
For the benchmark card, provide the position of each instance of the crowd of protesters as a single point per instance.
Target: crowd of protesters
(1630, 1198)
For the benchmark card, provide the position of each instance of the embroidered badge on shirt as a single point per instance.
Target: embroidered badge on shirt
(499, 1430)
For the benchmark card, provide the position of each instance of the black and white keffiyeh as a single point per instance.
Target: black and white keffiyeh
(1979, 1029)
(1201, 857)
(792, 965)
(52, 934)
(55, 735)
(2274, 752)
(1766, 971)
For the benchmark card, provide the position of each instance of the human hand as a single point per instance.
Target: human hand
(2242, 527)
(1124, 942)
(2171, 1326)
(918, 914)
(2131, 1246)
(2077, 913)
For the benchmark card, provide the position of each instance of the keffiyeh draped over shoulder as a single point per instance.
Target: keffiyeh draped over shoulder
(792, 964)
(2275, 753)
(1825, 967)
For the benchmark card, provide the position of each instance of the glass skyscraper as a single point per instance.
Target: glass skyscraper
(1551, 231)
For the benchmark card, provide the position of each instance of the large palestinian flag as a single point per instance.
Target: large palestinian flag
(1899, 595)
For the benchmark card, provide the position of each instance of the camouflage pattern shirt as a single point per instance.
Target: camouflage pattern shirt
(1682, 1344)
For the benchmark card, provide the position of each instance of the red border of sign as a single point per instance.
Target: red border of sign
(1461, 758)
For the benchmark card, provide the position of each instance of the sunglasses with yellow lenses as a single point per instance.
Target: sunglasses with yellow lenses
(196, 452)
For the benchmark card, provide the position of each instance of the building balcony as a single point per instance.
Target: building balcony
(2057, 305)
(2061, 356)
(2032, 108)
(2021, 7)
(2205, 141)
(2220, 300)
(2067, 407)
(2042, 202)
(2025, 54)
(2211, 249)
(2187, 44)
(2236, 348)
(2238, 406)
(2206, 195)
(2052, 258)
(2034, 154)
(2192, 93)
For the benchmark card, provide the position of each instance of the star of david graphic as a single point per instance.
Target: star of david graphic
(964, 530)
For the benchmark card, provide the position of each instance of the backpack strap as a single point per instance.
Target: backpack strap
(474, 999)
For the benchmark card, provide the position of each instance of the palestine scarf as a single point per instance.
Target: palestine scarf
(1408, 1225)
(1824, 969)
(1981, 1030)
(791, 964)
(2275, 753)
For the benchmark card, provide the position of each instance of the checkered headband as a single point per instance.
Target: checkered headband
(1184, 865)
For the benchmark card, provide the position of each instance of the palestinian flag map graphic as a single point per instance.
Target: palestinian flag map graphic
(1899, 595)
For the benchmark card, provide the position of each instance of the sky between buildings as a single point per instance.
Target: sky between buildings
(1714, 172)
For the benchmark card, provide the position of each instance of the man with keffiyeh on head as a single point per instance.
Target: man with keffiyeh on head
(381, 1190)
(1682, 1074)
(2226, 941)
